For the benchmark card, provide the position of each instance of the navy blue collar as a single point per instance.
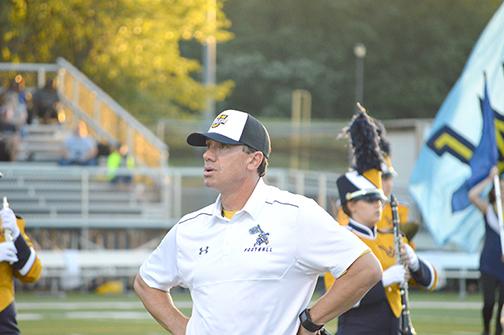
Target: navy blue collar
(361, 229)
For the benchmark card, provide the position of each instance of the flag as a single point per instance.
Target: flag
(484, 156)
(458, 150)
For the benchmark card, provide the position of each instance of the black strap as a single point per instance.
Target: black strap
(307, 323)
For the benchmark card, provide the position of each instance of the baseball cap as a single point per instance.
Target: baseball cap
(235, 127)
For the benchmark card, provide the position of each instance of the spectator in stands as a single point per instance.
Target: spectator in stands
(14, 103)
(120, 158)
(45, 103)
(17, 259)
(491, 262)
(104, 150)
(9, 140)
(79, 148)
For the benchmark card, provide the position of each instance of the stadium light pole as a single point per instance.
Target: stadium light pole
(360, 54)
(209, 61)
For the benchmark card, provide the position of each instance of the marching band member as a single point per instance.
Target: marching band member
(409, 228)
(491, 263)
(17, 259)
(362, 200)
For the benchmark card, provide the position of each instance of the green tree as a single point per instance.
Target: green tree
(129, 47)
(415, 52)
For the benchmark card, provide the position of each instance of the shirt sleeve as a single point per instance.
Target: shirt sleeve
(28, 267)
(160, 269)
(323, 245)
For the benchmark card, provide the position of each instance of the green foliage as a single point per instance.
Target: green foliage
(144, 52)
(415, 52)
(129, 47)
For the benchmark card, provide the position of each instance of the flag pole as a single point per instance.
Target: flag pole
(498, 202)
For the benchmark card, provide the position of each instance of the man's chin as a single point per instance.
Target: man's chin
(208, 182)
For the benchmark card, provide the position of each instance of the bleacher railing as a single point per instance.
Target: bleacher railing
(107, 120)
(107, 117)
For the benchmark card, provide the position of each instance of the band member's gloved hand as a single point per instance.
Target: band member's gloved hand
(413, 262)
(8, 252)
(9, 221)
(394, 274)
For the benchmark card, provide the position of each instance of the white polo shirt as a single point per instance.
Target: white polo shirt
(255, 273)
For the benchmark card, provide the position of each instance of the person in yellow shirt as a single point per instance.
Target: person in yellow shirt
(17, 260)
(362, 201)
(120, 158)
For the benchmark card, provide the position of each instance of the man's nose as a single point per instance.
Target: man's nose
(208, 154)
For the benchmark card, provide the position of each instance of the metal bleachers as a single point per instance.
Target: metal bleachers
(58, 193)
(41, 143)
(83, 100)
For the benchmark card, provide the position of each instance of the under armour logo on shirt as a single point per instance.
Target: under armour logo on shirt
(203, 250)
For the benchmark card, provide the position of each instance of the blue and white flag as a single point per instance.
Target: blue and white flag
(462, 144)
(484, 156)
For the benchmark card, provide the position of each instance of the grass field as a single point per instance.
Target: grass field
(83, 314)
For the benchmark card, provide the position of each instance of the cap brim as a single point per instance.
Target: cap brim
(371, 197)
(199, 139)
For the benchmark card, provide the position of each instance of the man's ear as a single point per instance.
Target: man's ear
(255, 160)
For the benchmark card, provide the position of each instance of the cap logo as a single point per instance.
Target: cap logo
(221, 119)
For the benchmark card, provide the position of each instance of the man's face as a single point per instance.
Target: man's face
(225, 166)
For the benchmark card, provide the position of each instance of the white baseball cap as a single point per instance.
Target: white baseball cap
(235, 127)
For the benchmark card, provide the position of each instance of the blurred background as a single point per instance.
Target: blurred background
(133, 78)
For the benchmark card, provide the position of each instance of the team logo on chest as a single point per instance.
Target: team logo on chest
(262, 240)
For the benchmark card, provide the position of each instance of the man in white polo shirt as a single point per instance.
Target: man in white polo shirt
(251, 260)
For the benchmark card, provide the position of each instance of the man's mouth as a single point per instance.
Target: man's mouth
(208, 170)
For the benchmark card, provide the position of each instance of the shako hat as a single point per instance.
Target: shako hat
(384, 145)
(364, 181)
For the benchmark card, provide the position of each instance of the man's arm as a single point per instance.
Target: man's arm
(160, 305)
(347, 290)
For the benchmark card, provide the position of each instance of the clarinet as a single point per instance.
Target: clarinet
(405, 325)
